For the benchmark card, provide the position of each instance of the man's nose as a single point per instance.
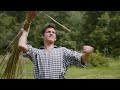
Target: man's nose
(51, 33)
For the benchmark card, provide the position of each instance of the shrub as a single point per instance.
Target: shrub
(115, 52)
(96, 59)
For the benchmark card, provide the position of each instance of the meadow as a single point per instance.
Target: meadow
(109, 72)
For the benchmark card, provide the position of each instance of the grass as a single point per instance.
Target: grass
(28, 70)
(110, 72)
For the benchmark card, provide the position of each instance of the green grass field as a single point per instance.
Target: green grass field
(110, 72)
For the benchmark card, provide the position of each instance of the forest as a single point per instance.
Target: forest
(100, 29)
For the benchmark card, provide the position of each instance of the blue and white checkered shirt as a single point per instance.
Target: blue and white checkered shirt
(53, 64)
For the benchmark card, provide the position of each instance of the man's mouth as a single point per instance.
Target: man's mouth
(51, 36)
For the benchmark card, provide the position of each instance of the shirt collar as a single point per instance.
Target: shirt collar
(42, 47)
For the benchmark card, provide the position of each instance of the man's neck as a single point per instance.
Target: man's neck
(48, 45)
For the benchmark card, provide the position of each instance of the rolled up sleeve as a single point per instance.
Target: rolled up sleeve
(32, 52)
(73, 57)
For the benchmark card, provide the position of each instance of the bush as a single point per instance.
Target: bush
(115, 52)
(96, 59)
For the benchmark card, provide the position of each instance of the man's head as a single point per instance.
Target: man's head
(49, 33)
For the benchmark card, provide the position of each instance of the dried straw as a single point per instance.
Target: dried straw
(11, 66)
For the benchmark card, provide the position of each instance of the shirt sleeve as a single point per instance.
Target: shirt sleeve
(73, 57)
(32, 52)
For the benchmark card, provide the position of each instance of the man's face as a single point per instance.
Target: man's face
(50, 35)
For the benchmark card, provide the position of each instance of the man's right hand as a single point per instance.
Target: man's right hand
(24, 31)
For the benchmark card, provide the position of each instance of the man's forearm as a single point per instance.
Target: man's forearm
(23, 41)
(84, 58)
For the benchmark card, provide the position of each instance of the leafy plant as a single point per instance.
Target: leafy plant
(96, 59)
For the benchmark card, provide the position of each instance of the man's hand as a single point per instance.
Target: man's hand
(22, 31)
(86, 52)
(87, 49)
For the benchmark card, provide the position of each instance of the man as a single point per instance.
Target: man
(50, 61)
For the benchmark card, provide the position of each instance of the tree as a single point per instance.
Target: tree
(102, 30)
(8, 30)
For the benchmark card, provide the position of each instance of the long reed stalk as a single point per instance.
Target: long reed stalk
(12, 67)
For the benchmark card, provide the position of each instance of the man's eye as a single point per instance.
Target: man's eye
(48, 32)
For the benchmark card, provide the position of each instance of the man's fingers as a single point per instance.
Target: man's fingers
(22, 29)
(87, 49)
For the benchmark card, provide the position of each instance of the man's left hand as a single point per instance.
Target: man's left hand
(87, 49)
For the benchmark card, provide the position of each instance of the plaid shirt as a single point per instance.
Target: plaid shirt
(53, 64)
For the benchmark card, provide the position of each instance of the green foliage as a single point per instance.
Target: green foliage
(76, 22)
(99, 29)
(115, 52)
(8, 30)
(18, 15)
(96, 59)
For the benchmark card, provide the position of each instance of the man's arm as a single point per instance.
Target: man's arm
(87, 50)
(22, 44)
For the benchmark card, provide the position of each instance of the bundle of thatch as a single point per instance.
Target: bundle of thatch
(11, 66)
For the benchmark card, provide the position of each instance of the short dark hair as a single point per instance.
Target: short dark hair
(51, 25)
